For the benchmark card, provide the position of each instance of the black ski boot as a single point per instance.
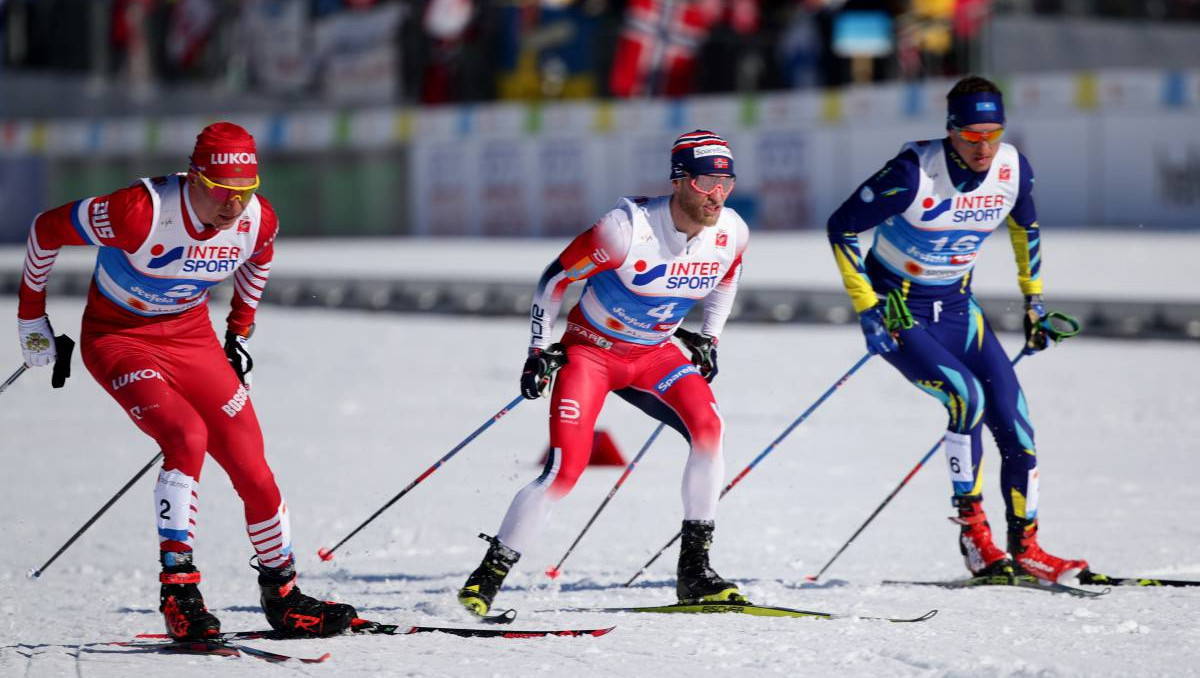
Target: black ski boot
(180, 601)
(695, 580)
(484, 583)
(294, 614)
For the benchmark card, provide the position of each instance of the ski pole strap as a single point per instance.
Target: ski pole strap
(897, 317)
(1067, 326)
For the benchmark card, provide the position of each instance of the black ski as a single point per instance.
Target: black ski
(738, 608)
(1089, 578)
(223, 647)
(1023, 581)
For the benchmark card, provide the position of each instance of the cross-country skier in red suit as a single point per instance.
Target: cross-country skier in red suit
(646, 263)
(148, 340)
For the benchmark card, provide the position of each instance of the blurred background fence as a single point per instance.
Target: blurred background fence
(527, 118)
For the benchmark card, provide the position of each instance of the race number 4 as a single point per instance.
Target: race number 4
(662, 313)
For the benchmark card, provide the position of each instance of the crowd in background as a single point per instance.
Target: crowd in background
(443, 51)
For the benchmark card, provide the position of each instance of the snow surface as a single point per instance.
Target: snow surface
(354, 406)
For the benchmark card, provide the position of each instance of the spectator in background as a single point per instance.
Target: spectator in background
(798, 49)
(131, 41)
(445, 23)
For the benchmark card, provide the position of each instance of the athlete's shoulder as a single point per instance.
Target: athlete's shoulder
(1023, 162)
(268, 216)
(268, 223)
(628, 211)
(123, 218)
(634, 205)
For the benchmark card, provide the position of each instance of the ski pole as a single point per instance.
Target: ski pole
(36, 573)
(888, 499)
(15, 375)
(554, 570)
(799, 420)
(327, 553)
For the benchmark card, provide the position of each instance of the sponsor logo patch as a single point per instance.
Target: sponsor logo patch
(240, 397)
(647, 277)
(137, 375)
(679, 373)
(160, 260)
(933, 212)
(705, 151)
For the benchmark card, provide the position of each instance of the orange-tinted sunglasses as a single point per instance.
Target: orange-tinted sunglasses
(972, 137)
(707, 184)
(222, 193)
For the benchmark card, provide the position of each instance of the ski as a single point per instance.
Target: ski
(364, 627)
(1089, 578)
(221, 647)
(739, 608)
(498, 633)
(1023, 581)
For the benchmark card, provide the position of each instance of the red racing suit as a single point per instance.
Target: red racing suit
(148, 341)
(642, 277)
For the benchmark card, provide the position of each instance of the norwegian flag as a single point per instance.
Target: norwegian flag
(656, 52)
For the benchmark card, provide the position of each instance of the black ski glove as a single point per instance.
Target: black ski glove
(539, 369)
(239, 357)
(1035, 329)
(704, 352)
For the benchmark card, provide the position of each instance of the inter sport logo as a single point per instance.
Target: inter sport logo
(647, 277)
(160, 260)
(932, 212)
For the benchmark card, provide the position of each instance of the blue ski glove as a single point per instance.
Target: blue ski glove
(874, 327)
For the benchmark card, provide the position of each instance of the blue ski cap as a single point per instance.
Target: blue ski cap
(975, 108)
(701, 152)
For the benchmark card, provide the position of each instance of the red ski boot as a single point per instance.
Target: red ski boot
(1032, 560)
(980, 553)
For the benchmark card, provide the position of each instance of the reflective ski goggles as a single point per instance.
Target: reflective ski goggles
(973, 137)
(223, 193)
(707, 184)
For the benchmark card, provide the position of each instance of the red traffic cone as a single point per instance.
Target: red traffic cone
(604, 451)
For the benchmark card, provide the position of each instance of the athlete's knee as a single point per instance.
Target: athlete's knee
(562, 470)
(963, 399)
(707, 430)
(183, 443)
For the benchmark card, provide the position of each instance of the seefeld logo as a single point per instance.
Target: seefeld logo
(233, 159)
